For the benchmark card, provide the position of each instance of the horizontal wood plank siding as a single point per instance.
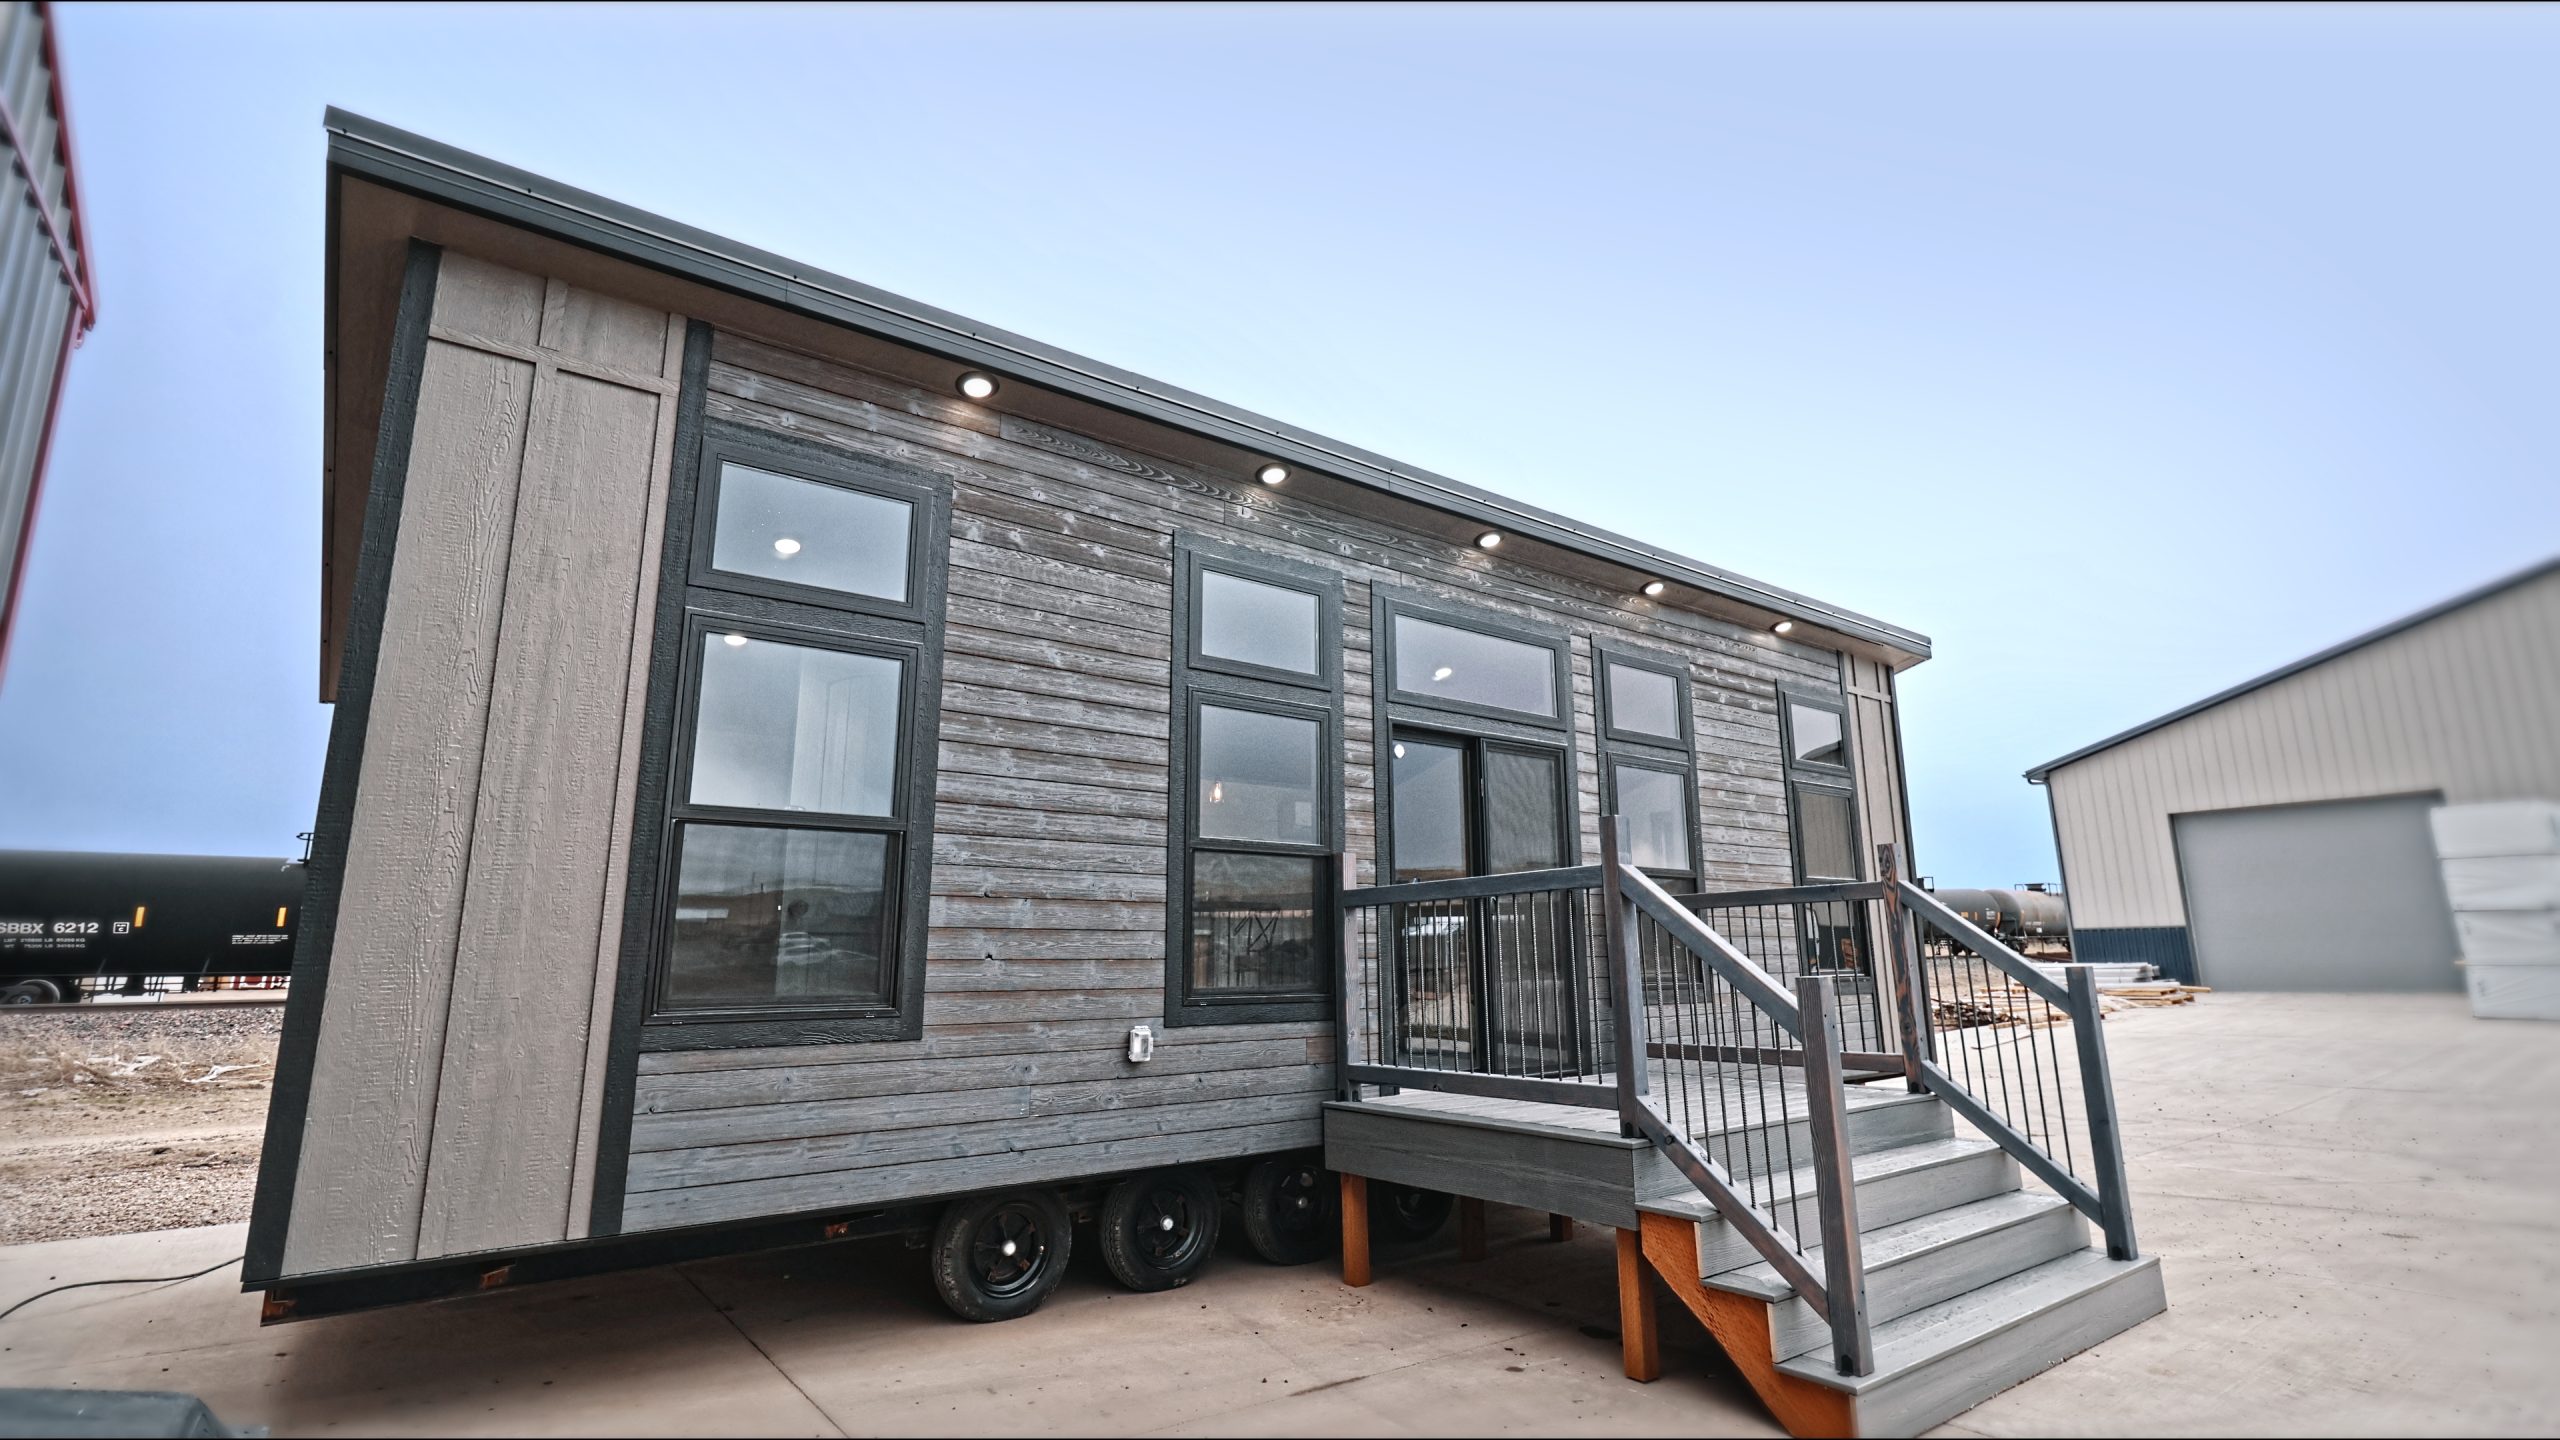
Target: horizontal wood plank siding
(2467, 704)
(1048, 910)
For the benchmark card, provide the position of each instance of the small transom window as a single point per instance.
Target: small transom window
(809, 533)
(1252, 623)
(1467, 667)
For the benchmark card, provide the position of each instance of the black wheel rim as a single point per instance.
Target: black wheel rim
(1297, 1203)
(1415, 1207)
(1165, 1226)
(1008, 1251)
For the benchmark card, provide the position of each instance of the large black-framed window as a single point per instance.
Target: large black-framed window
(1255, 810)
(796, 731)
(1648, 758)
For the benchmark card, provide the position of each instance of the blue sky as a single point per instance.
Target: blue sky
(2127, 353)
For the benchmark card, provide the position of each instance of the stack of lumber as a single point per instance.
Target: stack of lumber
(2150, 994)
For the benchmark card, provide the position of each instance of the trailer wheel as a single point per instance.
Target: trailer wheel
(32, 992)
(996, 1257)
(1289, 1205)
(1158, 1230)
(1409, 1215)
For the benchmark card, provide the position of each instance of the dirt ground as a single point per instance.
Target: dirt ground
(116, 1119)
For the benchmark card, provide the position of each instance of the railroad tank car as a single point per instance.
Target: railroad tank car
(73, 922)
(2018, 916)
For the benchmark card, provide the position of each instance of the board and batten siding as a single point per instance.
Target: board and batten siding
(2466, 703)
(457, 1080)
(1875, 734)
(1049, 889)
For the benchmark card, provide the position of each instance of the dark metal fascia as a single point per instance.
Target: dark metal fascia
(426, 167)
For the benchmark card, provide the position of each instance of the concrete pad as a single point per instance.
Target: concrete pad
(2357, 1199)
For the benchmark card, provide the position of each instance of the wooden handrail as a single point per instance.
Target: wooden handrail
(1756, 984)
(2009, 962)
(1848, 892)
(1472, 887)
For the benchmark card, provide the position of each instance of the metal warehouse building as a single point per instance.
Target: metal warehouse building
(2274, 836)
(45, 300)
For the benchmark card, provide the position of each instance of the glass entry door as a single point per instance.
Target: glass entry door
(1489, 985)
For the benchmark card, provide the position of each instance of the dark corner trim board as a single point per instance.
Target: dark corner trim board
(271, 1212)
(649, 812)
(413, 163)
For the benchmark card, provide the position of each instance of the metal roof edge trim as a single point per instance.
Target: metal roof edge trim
(428, 167)
(2437, 611)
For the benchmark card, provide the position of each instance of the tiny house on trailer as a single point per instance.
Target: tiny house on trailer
(808, 765)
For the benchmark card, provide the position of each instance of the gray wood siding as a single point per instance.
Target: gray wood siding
(1048, 908)
(1876, 751)
(2467, 704)
(36, 296)
(456, 1063)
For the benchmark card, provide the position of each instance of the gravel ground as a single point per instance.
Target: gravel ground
(128, 1118)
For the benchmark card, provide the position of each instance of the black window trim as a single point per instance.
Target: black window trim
(1198, 557)
(1605, 653)
(1387, 605)
(1197, 680)
(1790, 700)
(1663, 762)
(795, 615)
(927, 530)
(1649, 750)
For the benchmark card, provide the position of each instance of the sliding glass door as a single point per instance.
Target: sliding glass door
(1488, 984)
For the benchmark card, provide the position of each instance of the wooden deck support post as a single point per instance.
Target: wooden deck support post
(1355, 1230)
(1559, 1228)
(1639, 1325)
(1470, 1228)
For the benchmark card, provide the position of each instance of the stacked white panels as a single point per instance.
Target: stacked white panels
(2502, 874)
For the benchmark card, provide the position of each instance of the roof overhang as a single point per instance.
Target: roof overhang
(387, 186)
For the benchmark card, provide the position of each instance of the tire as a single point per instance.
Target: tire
(1404, 1215)
(996, 1257)
(32, 992)
(1158, 1230)
(1289, 1206)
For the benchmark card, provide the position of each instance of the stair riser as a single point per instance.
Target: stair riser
(1939, 1274)
(1956, 1382)
(1761, 1149)
(1881, 1202)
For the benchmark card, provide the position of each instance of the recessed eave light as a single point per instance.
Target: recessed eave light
(1488, 539)
(1653, 588)
(1783, 626)
(1272, 474)
(977, 385)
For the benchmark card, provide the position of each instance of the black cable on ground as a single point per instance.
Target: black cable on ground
(148, 1280)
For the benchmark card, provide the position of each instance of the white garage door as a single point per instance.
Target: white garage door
(2337, 896)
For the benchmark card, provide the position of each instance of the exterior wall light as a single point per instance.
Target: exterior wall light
(1653, 588)
(977, 385)
(1488, 539)
(1272, 474)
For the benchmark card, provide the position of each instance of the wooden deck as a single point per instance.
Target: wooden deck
(1572, 1161)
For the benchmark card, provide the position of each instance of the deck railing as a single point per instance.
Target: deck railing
(1534, 986)
(2020, 1055)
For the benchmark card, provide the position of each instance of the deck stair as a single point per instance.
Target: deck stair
(1889, 1190)
(1972, 1281)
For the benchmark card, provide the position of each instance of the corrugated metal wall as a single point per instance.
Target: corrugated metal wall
(2467, 703)
(40, 274)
